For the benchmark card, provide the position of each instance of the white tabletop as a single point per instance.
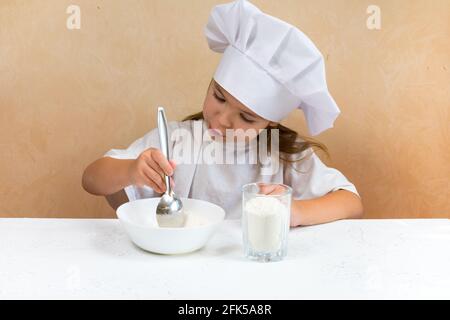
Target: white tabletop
(94, 259)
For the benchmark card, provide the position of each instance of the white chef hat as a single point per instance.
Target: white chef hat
(269, 65)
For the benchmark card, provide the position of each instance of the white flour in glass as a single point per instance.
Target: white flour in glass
(265, 220)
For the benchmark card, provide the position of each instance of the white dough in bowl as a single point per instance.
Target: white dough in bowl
(194, 220)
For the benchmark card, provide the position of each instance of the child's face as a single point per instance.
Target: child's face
(222, 111)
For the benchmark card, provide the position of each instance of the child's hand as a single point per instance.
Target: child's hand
(149, 169)
(271, 189)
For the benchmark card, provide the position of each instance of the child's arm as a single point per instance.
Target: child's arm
(107, 176)
(115, 200)
(340, 204)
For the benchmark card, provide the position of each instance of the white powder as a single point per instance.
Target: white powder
(186, 220)
(176, 220)
(194, 220)
(266, 217)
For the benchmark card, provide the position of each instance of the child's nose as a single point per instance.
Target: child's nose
(224, 120)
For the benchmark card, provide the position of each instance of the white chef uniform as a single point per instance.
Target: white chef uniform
(221, 183)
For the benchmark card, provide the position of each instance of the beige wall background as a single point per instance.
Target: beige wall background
(66, 97)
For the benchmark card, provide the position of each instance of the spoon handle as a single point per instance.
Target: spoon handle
(164, 142)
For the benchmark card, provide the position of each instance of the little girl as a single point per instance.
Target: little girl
(268, 69)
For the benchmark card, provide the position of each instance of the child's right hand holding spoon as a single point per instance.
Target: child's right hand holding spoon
(149, 170)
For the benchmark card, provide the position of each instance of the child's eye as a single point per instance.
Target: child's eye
(246, 119)
(218, 98)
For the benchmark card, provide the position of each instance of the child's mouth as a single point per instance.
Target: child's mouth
(215, 132)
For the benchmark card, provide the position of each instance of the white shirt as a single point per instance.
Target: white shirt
(221, 184)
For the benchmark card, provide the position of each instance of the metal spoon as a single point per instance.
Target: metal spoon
(169, 212)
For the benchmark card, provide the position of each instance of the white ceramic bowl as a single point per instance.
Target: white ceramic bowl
(139, 220)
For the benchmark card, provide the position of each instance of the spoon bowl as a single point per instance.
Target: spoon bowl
(170, 212)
